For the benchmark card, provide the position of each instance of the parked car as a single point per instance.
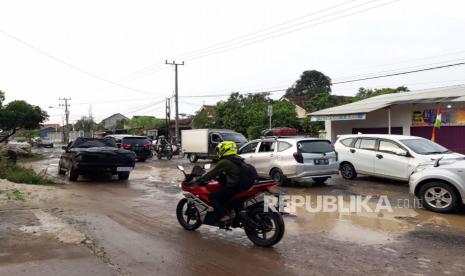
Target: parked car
(201, 143)
(292, 158)
(140, 145)
(88, 156)
(388, 156)
(440, 185)
(44, 143)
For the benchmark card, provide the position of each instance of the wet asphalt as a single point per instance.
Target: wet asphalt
(131, 229)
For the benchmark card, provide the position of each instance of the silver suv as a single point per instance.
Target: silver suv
(292, 158)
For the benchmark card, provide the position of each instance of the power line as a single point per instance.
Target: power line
(248, 38)
(254, 40)
(74, 67)
(402, 73)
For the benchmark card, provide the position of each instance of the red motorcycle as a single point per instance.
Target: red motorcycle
(262, 227)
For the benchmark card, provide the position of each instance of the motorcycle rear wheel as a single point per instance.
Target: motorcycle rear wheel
(268, 222)
(186, 214)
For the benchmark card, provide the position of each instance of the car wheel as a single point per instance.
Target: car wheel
(72, 173)
(278, 177)
(123, 175)
(348, 171)
(439, 197)
(320, 180)
(193, 158)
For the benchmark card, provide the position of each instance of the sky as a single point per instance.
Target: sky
(109, 56)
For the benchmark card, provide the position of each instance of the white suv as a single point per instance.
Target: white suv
(292, 158)
(388, 156)
(440, 185)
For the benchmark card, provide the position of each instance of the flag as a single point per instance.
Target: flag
(437, 123)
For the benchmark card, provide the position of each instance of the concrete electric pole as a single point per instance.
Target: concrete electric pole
(176, 123)
(168, 116)
(65, 128)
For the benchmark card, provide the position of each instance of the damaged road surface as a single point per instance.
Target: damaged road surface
(112, 227)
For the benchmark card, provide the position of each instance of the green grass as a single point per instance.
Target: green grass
(34, 157)
(17, 195)
(18, 174)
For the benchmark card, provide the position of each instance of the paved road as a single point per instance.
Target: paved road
(130, 228)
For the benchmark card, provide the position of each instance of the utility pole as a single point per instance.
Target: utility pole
(176, 123)
(65, 128)
(168, 116)
(270, 113)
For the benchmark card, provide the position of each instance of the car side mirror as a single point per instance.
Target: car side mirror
(64, 147)
(403, 153)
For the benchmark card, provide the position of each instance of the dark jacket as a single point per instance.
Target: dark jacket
(229, 168)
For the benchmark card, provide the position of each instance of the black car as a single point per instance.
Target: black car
(88, 156)
(140, 145)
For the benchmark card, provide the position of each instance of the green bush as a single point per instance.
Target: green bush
(18, 174)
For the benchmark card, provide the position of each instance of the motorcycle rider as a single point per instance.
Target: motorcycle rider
(228, 169)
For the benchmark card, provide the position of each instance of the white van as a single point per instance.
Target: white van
(388, 156)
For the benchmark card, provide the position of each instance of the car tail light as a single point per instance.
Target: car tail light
(147, 146)
(125, 146)
(298, 157)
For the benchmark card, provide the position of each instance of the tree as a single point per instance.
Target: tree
(120, 124)
(321, 101)
(86, 124)
(364, 93)
(2, 97)
(140, 123)
(202, 120)
(311, 82)
(248, 115)
(18, 115)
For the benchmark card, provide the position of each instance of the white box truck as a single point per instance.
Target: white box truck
(201, 143)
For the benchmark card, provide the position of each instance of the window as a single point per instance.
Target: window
(368, 144)
(267, 147)
(315, 146)
(250, 148)
(282, 146)
(216, 138)
(424, 146)
(235, 137)
(347, 142)
(390, 147)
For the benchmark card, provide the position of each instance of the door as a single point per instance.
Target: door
(247, 152)
(215, 139)
(263, 160)
(364, 155)
(392, 161)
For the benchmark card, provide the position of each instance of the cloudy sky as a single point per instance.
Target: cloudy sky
(108, 55)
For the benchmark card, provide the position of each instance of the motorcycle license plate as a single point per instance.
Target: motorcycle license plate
(321, 161)
(123, 169)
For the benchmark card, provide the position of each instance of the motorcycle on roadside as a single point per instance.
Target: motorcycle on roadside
(263, 227)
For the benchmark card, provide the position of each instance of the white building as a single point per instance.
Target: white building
(407, 113)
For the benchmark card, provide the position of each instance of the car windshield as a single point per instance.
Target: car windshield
(424, 146)
(235, 137)
(315, 146)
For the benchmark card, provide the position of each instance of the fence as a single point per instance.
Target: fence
(57, 137)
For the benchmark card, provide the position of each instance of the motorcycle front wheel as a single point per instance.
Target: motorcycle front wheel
(188, 216)
(268, 227)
